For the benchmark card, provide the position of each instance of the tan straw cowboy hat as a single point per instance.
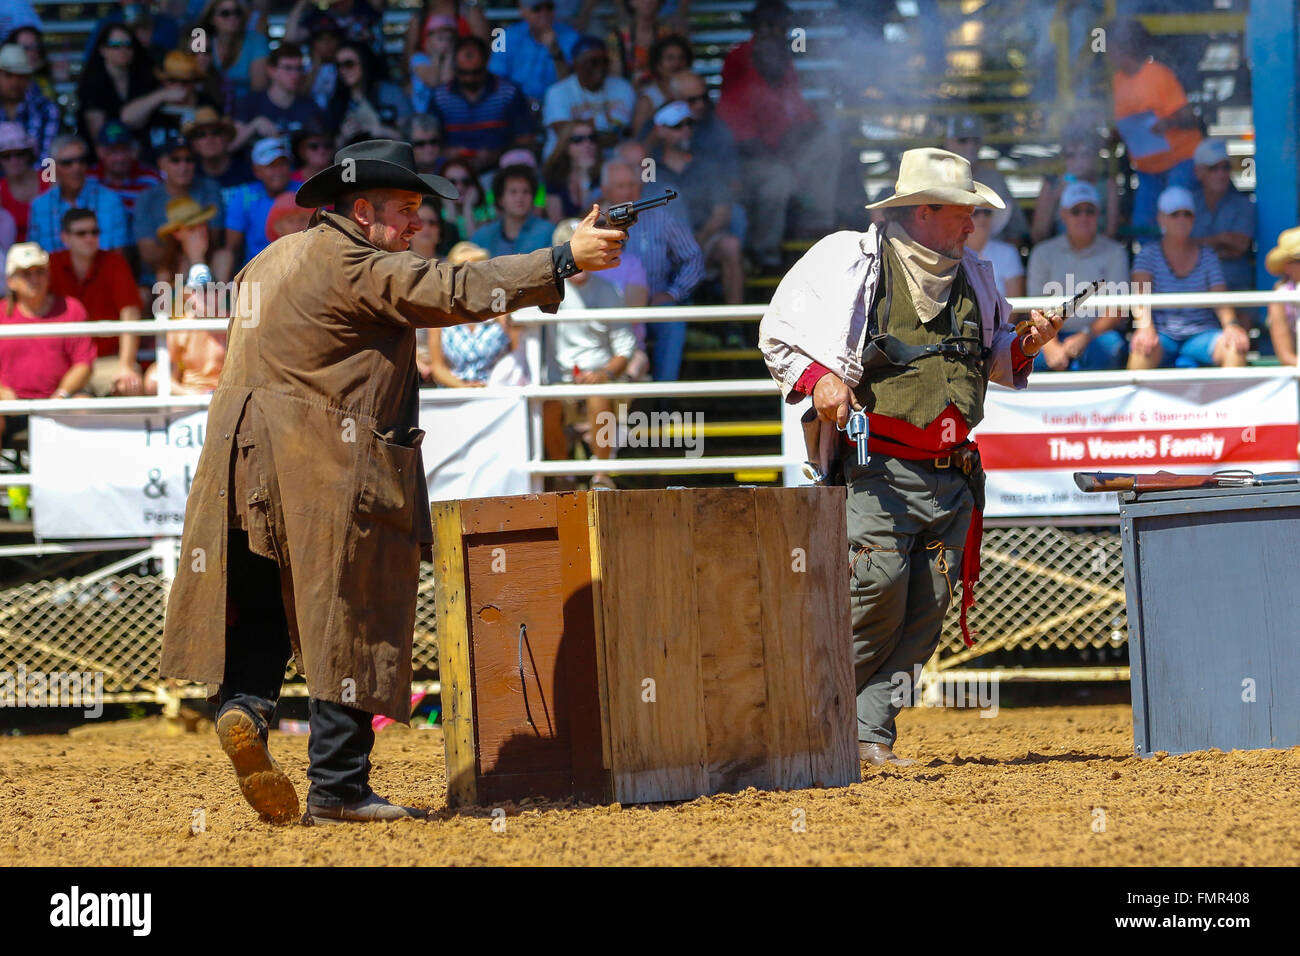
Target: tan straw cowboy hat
(1287, 248)
(937, 176)
(184, 211)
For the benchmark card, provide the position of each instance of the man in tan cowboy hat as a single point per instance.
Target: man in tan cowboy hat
(309, 511)
(906, 324)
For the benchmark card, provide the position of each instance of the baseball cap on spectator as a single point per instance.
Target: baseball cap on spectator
(1209, 152)
(13, 59)
(1175, 198)
(14, 137)
(114, 133)
(322, 21)
(564, 231)
(172, 144)
(439, 21)
(205, 117)
(585, 43)
(518, 157)
(268, 150)
(969, 126)
(25, 255)
(1080, 191)
(671, 114)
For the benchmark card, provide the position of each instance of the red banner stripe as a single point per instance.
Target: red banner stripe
(1146, 448)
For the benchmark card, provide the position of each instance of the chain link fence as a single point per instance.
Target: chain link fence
(1043, 587)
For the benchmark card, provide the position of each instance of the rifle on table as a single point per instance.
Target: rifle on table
(625, 213)
(1100, 481)
(1066, 309)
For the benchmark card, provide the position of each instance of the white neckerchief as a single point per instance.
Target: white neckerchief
(929, 274)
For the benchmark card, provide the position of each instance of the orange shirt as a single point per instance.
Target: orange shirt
(197, 358)
(1155, 88)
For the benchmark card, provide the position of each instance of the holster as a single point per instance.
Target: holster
(966, 459)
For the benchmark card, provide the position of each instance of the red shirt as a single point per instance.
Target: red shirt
(752, 108)
(21, 211)
(33, 368)
(107, 289)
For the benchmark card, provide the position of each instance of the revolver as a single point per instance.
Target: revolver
(625, 213)
(858, 430)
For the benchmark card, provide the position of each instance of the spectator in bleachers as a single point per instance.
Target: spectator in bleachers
(633, 42)
(196, 356)
(33, 43)
(239, 51)
(782, 145)
(1081, 148)
(468, 18)
(1191, 337)
(463, 216)
(247, 206)
(463, 356)
(117, 72)
(433, 65)
(54, 367)
(320, 72)
(285, 218)
(279, 109)
(427, 242)
(1284, 260)
(16, 14)
(311, 150)
(210, 135)
(358, 20)
(424, 133)
(1154, 119)
(572, 172)
(1225, 218)
(8, 236)
(156, 32)
(705, 191)
(73, 189)
(670, 57)
(964, 135)
(590, 94)
(535, 51)
(482, 115)
(1058, 266)
(158, 116)
(119, 169)
(1008, 270)
(673, 262)
(711, 137)
(365, 105)
(22, 103)
(101, 280)
(179, 168)
(20, 183)
(183, 244)
(517, 230)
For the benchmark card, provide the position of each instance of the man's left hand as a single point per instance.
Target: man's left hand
(128, 381)
(1041, 331)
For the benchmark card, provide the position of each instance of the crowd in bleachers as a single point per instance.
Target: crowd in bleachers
(193, 126)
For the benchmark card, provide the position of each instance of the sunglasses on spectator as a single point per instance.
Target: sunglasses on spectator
(82, 233)
(13, 154)
(1179, 213)
(290, 66)
(698, 98)
(181, 158)
(583, 138)
(347, 64)
(81, 159)
(206, 132)
(314, 144)
(459, 180)
(1083, 210)
(543, 7)
(1222, 167)
(229, 12)
(118, 44)
(686, 122)
(418, 143)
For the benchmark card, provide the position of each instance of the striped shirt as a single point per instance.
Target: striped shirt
(1181, 323)
(140, 178)
(48, 209)
(495, 120)
(672, 258)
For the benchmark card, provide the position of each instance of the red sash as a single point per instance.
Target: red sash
(892, 436)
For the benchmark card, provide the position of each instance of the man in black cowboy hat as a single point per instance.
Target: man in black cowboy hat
(309, 510)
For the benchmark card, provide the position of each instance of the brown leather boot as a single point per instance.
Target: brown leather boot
(878, 755)
(263, 784)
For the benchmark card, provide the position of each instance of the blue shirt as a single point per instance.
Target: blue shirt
(495, 120)
(151, 206)
(48, 209)
(1180, 323)
(535, 234)
(672, 258)
(526, 62)
(471, 350)
(247, 207)
(1235, 213)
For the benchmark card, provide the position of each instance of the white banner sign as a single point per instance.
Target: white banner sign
(127, 476)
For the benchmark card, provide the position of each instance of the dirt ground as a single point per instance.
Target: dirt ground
(1037, 785)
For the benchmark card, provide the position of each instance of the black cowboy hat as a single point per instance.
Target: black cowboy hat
(372, 164)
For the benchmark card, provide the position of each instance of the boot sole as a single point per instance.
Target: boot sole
(264, 785)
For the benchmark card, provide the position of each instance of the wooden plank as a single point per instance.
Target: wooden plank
(652, 632)
(455, 668)
(514, 513)
(602, 673)
(577, 677)
(725, 547)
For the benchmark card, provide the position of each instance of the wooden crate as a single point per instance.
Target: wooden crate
(674, 643)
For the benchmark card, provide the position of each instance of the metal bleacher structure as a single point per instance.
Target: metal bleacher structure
(1023, 65)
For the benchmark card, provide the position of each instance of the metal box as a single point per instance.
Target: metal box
(1213, 594)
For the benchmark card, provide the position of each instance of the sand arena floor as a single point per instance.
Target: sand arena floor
(1032, 785)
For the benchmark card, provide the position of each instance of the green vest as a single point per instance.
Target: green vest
(918, 395)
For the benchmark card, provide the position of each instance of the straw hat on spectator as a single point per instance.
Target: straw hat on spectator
(937, 176)
(184, 211)
(205, 117)
(1287, 249)
(463, 252)
(179, 65)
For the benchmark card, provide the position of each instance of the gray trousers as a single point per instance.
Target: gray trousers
(907, 531)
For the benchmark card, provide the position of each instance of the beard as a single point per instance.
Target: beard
(379, 236)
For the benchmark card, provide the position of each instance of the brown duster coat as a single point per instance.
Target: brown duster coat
(312, 438)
